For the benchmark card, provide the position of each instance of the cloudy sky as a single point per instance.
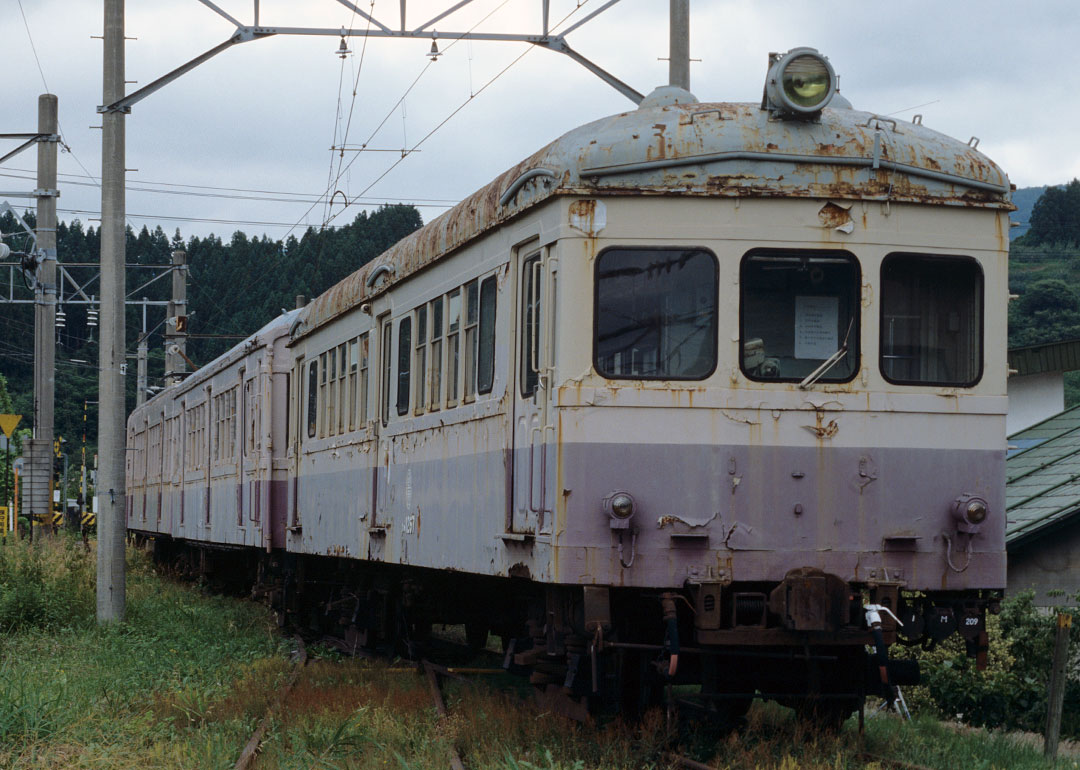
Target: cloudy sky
(243, 142)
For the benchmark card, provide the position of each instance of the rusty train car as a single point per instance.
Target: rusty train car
(710, 393)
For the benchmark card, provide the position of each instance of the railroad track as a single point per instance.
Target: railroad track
(434, 673)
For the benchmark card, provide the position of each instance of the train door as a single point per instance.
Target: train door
(384, 459)
(530, 512)
(247, 510)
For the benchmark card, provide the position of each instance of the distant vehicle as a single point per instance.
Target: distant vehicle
(700, 392)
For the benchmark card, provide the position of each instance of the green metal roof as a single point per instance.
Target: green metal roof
(1049, 357)
(1042, 487)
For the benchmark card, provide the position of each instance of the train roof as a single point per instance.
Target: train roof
(674, 145)
(272, 330)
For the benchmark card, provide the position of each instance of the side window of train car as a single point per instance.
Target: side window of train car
(354, 365)
(322, 395)
(363, 407)
(656, 314)
(453, 346)
(312, 398)
(931, 320)
(797, 311)
(436, 352)
(342, 390)
(403, 368)
(331, 392)
(530, 312)
(485, 354)
(387, 366)
(472, 318)
(421, 357)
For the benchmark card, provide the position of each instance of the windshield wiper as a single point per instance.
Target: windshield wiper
(829, 362)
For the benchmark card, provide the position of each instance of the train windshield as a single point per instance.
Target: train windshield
(931, 320)
(656, 313)
(799, 315)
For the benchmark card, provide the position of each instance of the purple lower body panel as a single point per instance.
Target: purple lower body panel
(745, 514)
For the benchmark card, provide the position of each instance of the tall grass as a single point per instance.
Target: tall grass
(150, 692)
(184, 680)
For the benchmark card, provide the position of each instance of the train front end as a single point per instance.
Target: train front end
(779, 391)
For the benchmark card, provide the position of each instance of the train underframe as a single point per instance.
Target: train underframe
(708, 648)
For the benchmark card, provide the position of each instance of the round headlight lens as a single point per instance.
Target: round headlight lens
(622, 506)
(806, 81)
(976, 511)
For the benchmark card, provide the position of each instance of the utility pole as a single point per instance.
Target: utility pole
(111, 488)
(679, 62)
(38, 492)
(176, 321)
(140, 376)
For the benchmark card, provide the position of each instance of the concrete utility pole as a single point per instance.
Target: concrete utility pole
(176, 322)
(111, 488)
(679, 62)
(37, 495)
(140, 377)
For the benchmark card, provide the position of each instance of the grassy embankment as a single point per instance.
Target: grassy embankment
(183, 682)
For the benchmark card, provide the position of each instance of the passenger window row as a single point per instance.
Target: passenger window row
(799, 314)
(444, 356)
(446, 350)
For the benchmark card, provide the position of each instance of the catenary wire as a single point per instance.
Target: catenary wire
(460, 107)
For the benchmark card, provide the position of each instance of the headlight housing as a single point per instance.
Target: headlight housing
(970, 511)
(800, 83)
(620, 507)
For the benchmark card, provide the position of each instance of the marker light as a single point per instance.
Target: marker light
(976, 511)
(969, 511)
(800, 83)
(619, 507)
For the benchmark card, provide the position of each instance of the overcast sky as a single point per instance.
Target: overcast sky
(263, 115)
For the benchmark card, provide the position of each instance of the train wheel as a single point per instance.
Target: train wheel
(476, 636)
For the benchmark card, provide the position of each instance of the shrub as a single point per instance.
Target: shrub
(1012, 692)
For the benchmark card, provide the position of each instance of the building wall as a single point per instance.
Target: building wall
(1033, 398)
(1049, 563)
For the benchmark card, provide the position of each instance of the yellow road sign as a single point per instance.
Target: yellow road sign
(8, 423)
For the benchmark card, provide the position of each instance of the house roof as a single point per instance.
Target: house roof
(1061, 356)
(1042, 487)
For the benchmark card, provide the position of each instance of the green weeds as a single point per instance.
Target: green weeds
(184, 680)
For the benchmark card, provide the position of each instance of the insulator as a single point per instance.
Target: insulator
(60, 319)
(91, 317)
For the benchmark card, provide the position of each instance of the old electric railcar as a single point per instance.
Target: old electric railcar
(711, 372)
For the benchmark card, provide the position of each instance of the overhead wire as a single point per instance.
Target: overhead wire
(401, 99)
(267, 196)
(461, 106)
(330, 182)
(333, 184)
(33, 47)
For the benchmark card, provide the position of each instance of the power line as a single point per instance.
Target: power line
(298, 197)
(225, 189)
(33, 47)
(461, 106)
(393, 109)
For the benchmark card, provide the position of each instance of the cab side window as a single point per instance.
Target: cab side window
(931, 320)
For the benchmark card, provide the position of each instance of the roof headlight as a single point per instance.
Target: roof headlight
(975, 511)
(800, 83)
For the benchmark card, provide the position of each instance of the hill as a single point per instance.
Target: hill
(234, 287)
(1024, 199)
